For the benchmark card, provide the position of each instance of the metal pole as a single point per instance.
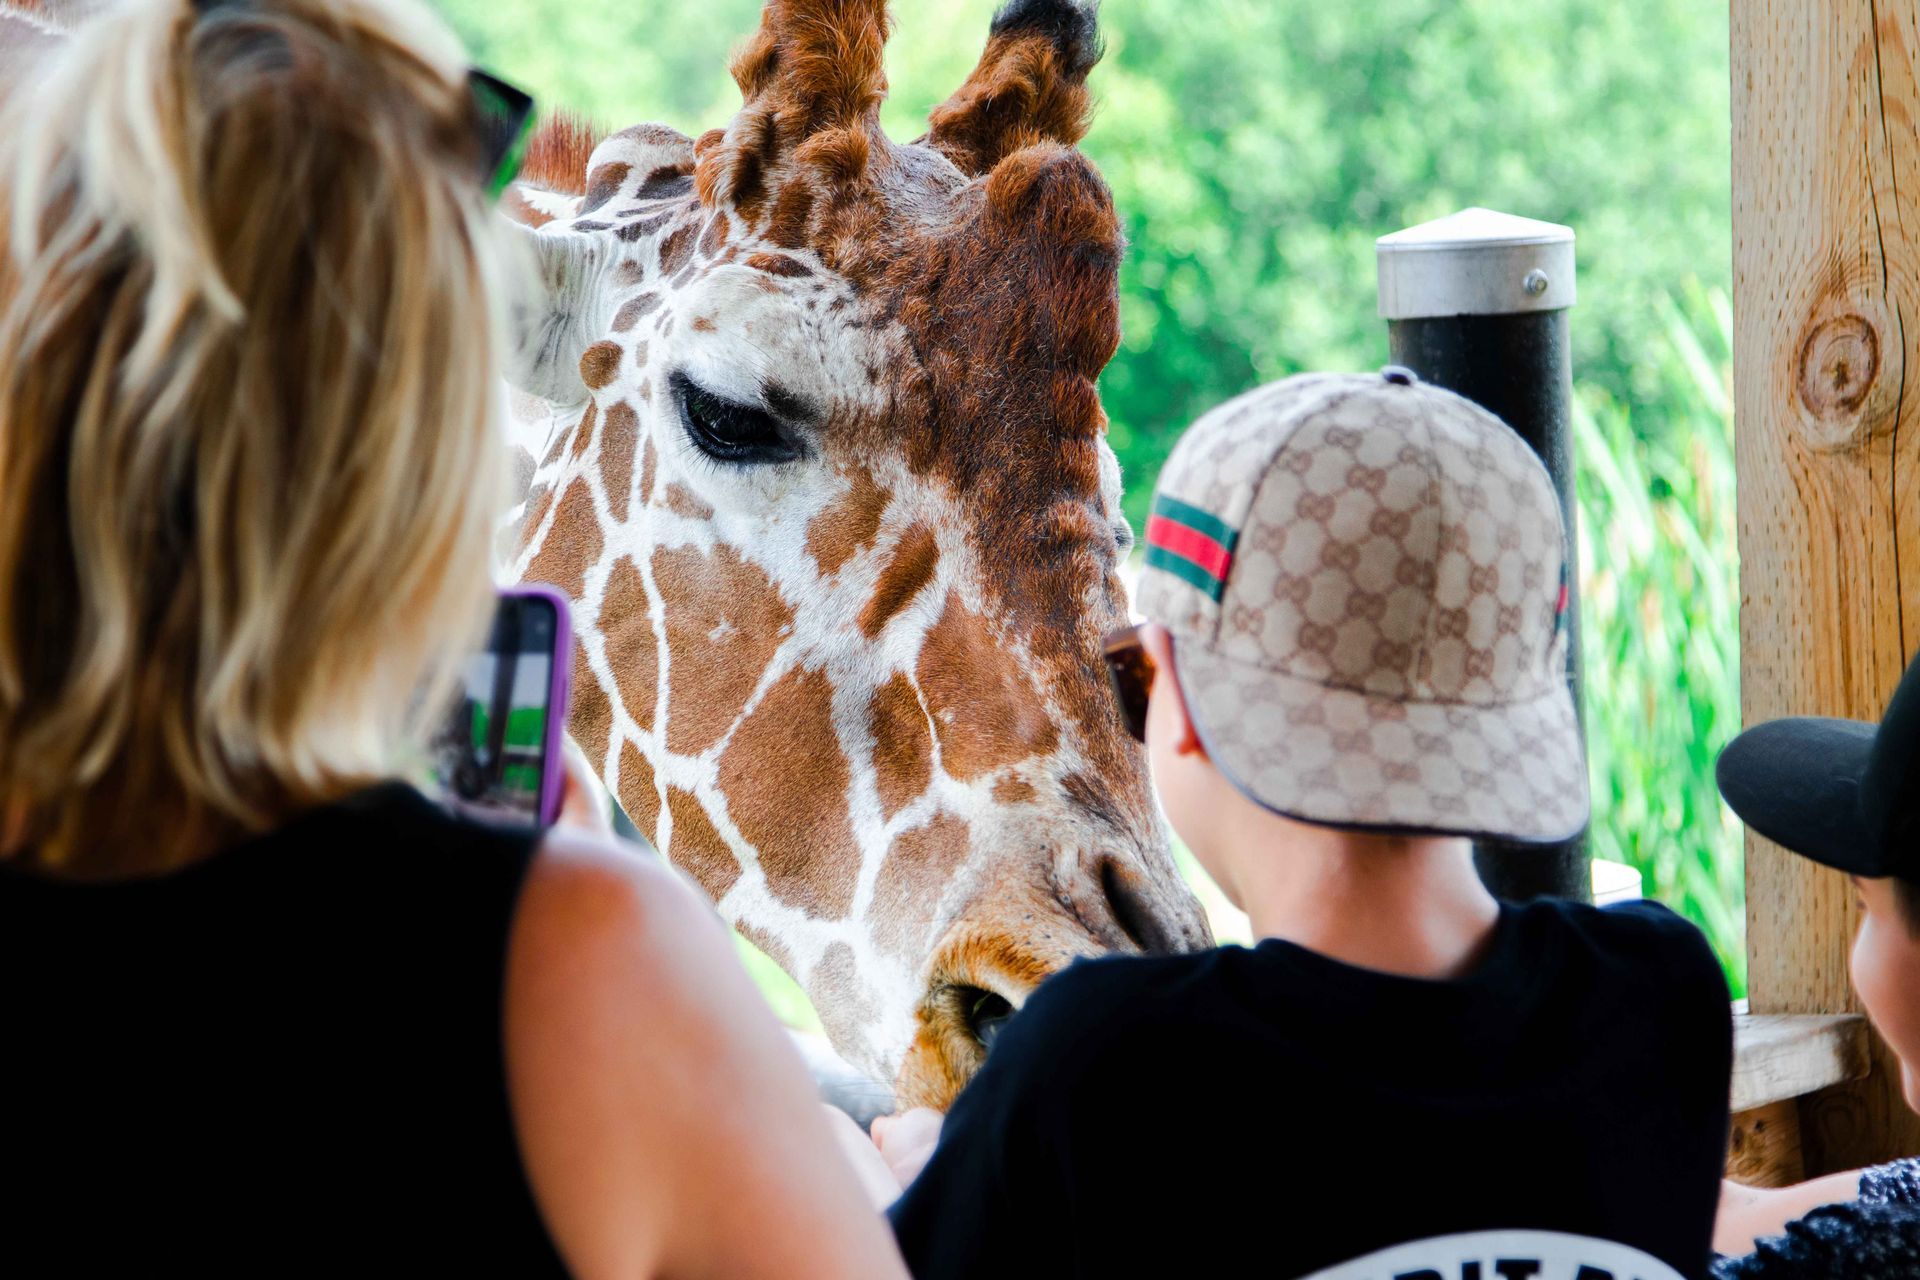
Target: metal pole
(1477, 303)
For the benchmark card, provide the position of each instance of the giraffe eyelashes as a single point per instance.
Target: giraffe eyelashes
(728, 431)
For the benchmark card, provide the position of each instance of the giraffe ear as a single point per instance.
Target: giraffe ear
(1052, 217)
(812, 80)
(557, 313)
(1030, 87)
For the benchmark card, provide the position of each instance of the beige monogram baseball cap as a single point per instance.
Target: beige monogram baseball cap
(1365, 580)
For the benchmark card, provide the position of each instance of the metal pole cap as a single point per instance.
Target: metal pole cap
(1475, 263)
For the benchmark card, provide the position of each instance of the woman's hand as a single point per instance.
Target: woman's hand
(906, 1142)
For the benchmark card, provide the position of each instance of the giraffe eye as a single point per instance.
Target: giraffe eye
(728, 431)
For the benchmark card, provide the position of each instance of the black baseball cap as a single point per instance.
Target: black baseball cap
(1843, 793)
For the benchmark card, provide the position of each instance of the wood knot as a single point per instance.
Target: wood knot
(1839, 361)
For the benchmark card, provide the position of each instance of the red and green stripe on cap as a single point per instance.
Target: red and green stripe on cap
(1192, 545)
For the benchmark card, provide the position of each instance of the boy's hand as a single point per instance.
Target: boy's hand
(876, 1179)
(906, 1142)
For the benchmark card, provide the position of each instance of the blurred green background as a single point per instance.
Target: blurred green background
(1256, 149)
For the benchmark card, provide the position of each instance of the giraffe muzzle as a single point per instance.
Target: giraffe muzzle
(1128, 909)
(1022, 930)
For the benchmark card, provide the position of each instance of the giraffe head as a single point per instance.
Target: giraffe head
(825, 468)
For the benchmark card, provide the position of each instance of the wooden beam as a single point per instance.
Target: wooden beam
(1777, 1061)
(1783, 1057)
(1826, 173)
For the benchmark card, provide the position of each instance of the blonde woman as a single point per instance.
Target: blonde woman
(263, 1008)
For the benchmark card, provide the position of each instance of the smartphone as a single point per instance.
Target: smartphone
(498, 755)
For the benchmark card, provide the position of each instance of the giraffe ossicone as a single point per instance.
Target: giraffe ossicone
(815, 446)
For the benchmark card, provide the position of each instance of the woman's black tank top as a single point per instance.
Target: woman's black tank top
(285, 1058)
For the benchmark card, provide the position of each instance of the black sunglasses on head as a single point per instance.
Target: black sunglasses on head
(504, 118)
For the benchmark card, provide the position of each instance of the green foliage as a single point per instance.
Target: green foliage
(1661, 613)
(1259, 147)
(790, 1003)
(1256, 149)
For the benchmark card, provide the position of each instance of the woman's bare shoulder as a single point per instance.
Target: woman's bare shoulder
(602, 987)
(665, 1117)
(593, 895)
(614, 952)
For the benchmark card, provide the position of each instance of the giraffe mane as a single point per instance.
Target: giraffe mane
(559, 152)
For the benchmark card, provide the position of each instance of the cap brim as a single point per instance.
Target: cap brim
(1343, 758)
(1797, 782)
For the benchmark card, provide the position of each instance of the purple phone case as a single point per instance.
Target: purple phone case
(554, 771)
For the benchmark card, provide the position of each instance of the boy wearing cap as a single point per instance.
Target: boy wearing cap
(1354, 663)
(1846, 795)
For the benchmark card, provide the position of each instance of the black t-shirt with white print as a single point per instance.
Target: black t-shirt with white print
(1270, 1111)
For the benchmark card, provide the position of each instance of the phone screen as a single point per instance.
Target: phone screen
(492, 754)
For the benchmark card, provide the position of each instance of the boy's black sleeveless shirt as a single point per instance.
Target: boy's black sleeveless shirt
(1273, 1112)
(286, 1058)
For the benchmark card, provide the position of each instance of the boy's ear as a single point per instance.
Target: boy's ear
(1166, 688)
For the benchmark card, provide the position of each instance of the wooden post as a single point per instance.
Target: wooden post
(1826, 244)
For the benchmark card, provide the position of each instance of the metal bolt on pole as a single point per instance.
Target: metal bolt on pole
(1477, 303)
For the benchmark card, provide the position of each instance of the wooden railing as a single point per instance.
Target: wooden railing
(1778, 1061)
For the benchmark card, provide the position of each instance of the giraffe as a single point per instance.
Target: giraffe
(812, 439)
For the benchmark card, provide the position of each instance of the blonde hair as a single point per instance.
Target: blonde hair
(250, 459)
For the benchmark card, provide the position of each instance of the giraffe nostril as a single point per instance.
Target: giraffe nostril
(1133, 910)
